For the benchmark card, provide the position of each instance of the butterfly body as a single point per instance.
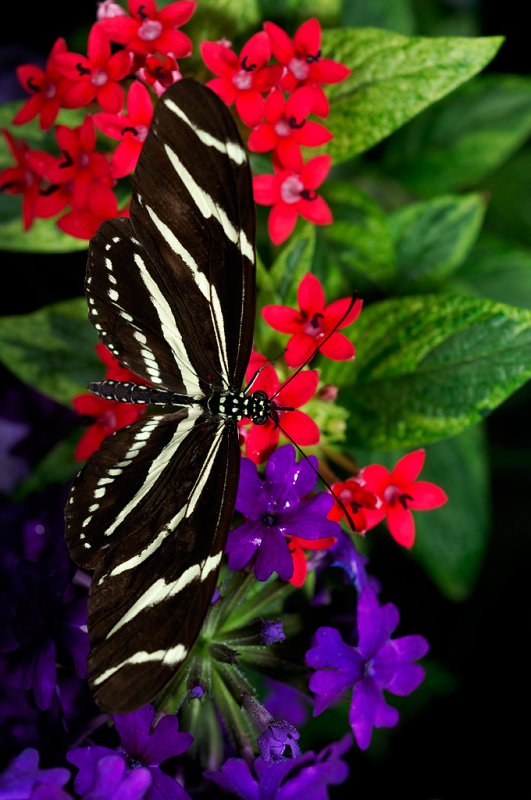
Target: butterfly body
(171, 292)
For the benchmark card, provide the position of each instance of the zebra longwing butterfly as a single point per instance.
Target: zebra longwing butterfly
(171, 291)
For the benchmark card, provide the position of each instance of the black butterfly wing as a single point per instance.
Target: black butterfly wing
(155, 529)
(193, 211)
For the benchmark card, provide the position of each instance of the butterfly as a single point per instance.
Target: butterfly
(171, 292)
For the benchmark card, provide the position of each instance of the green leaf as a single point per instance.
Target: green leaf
(298, 11)
(498, 269)
(58, 466)
(430, 366)
(43, 237)
(52, 349)
(356, 251)
(293, 262)
(393, 78)
(215, 19)
(396, 16)
(509, 212)
(433, 238)
(464, 138)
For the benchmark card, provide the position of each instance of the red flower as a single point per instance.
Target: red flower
(95, 77)
(292, 193)
(108, 9)
(357, 500)
(313, 322)
(303, 63)
(101, 205)
(242, 79)
(130, 129)
(47, 88)
(286, 128)
(148, 30)
(159, 74)
(26, 178)
(399, 491)
(297, 547)
(261, 440)
(79, 164)
(110, 415)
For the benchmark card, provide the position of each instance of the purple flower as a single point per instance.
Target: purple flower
(23, 779)
(275, 510)
(114, 781)
(272, 631)
(285, 701)
(344, 554)
(308, 776)
(377, 663)
(279, 741)
(143, 747)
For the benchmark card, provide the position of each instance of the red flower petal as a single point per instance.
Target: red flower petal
(312, 134)
(375, 478)
(275, 105)
(98, 46)
(110, 124)
(175, 43)
(299, 389)
(338, 348)
(425, 496)
(119, 29)
(49, 113)
(289, 154)
(408, 468)
(315, 171)
(30, 75)
(316, 210)
(301, 428)
(401, 525)
(262, 138)
(224, 88)
(265, 188)
(125, 158)
(280, 43)
(300, 347)
(300, 104)
(111, 97)
(139, 103)
(29, 110)
(81, 224)
(300, 565)
(336, 310)
(281, 222)
(327, 71)
(310, 295)
(219, 59)
(177, 14)
(282, 318)
(307, 39)
(142, 8)
(321, 106)
(260, 442)
(257, 51)
(250, 105)
(268, 77)
(79, 94)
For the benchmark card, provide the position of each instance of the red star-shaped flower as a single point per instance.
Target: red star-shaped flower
(261, 440)
(26, 178)
(400, 493)
(149, 30)
(159, 74)
(287, 128)
(79, 164)
(47, 87)
(303, 63)
(292, 193)
(357, 500)
(97, 75)
(83, 222)
(131, 129)
(313, 322)
(242, 79)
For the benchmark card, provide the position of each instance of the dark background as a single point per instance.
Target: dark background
(457, 743)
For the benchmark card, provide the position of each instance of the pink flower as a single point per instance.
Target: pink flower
(26, 178)
(96, 76)
(47, 88)
(242, 79)
(261, 440)
(148, 30)
(292, 193)
(303, 63)
(130, 129)
(400, 493)
(313, 322)
(286, 128)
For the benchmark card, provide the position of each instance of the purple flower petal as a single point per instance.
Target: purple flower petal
(86, 759)
(280, 463)
(273, 556)
(235, 777)
(375, 624)
(115, 782)
(242, 544)
(165, 788)
(308, 520)
(23, 774)
(134, 729)
(165, 741)
(250, 489)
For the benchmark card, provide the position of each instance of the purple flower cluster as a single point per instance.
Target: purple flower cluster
(277, 506)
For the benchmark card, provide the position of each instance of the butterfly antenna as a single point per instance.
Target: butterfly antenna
(336, 327)
(336, 497)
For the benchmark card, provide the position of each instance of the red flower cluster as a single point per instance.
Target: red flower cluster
(281, 125)
(144, 43)
(109, 415)
(376, 494)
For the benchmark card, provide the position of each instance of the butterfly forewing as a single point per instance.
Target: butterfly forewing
(171, 292)
(193, 210)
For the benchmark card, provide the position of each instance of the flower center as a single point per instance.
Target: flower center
(139, 131)
(108, 419)
(50, 90)
(282, 128)
(84, 160)
(150, 30)
(393, 495)
(100, 77)
(269, 519)
(300, 68)
(313, 326)
(243, 79)
(291, 189)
